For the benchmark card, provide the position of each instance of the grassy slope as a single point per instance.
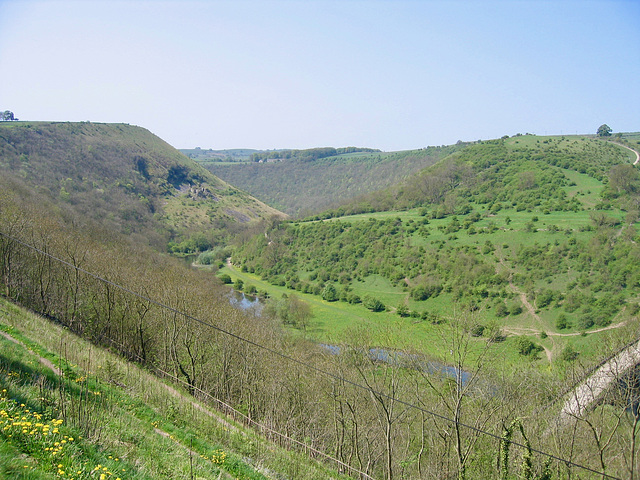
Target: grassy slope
(124, 176)
(298, 187)
(117, 417)
(338, 322)
(508, 231)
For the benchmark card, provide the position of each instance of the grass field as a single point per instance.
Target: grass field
(340, 323)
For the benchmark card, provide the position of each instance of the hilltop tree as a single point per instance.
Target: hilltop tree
(7, 116)
(604, 130)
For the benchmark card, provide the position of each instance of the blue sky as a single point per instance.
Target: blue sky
(389, 74)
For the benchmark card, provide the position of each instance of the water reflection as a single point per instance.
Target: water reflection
(246, 302)
(411, 361)
(250, 303)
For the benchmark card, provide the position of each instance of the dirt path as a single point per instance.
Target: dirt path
(533, 331)
(637, 154)
(530, 309)
(44, 361)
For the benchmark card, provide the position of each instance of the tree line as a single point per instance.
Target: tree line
(307, 155)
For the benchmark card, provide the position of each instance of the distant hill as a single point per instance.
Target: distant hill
(300, 182)
(127, 178)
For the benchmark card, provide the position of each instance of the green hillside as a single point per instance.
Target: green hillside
(128, 179)
(122, 295)
(299, 183)
(533, 236)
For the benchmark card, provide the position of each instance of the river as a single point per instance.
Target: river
(255, 305)
(246, 302)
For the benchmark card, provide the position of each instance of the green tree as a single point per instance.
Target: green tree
(562, 322)
(7, 116)
(624, 178)
(329, 293)
(604, 130)
(373, 304)
(299, 312)
(526, 347)
(568, 354)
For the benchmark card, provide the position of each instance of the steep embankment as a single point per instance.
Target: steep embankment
(125, 177)
(113, 418)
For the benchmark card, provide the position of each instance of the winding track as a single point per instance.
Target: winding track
(632, 150)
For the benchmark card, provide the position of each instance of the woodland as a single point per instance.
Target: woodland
(461, 274)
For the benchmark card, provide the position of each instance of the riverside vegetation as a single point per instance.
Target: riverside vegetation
(393, 419)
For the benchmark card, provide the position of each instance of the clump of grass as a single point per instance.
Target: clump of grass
(50, 446)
